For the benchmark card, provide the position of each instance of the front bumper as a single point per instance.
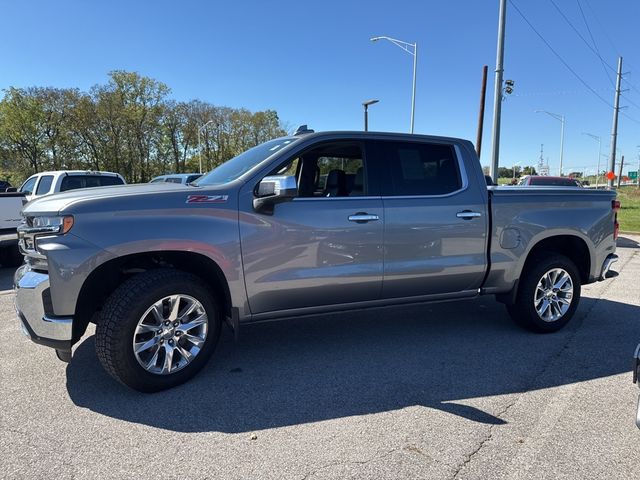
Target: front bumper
(32, 289)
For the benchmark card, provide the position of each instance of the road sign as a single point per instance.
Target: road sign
(633, 175)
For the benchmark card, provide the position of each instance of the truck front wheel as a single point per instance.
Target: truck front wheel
(158, 329)
(548, 293)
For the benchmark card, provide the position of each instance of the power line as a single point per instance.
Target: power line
(592, 90)
(580, 35)
(632, 85)
(631, 102)
(595, 45)
(613, 45)
(604, 30)
(558, 56)
(629, 117)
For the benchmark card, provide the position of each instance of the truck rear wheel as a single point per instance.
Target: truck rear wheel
(158, 329)
(548, 293)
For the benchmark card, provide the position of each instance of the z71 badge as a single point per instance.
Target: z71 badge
(207, 198)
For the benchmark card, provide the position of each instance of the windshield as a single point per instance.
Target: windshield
(237, 166)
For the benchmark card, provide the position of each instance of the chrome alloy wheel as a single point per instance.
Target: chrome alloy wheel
(170, 334)
(553, 295)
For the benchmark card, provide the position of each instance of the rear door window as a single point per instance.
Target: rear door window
(421, 168)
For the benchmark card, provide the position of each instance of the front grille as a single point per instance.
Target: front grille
(27, 245)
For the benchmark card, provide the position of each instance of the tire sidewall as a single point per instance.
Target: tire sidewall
(133, 374)
(526, 310)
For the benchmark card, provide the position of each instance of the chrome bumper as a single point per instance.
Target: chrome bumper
(55, 332)
(606, 267)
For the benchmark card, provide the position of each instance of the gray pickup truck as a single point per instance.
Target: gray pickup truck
(305, 224)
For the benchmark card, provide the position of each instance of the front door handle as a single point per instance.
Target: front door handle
(468, 214)
(363, 217)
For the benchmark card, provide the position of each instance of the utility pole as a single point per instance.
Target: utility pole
(638, 171)
(483, 94)
(497, 100)
(620, 171)
(614, 128)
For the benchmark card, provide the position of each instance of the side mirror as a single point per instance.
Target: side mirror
(272, 190)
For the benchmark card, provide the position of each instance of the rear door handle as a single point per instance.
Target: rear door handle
(468, 214)
(362, 217)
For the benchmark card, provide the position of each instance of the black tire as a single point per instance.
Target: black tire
(127, 306)
(11, 256)
(524, 311)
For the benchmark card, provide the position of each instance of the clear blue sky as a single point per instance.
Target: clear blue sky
(313, 62)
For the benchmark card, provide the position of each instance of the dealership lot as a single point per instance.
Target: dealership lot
(434, 391)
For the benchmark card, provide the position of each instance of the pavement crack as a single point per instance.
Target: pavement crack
(487, 438)
(551, 360)
(350, 462)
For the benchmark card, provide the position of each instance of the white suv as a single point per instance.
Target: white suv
(44, 183)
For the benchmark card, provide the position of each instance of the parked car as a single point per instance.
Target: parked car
(4, 185)
(636, 380)
(546, 181)
(10, 218)
(398, 219)
(177, 178)
(44, 183)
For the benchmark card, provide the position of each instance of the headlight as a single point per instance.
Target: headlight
(53, 224)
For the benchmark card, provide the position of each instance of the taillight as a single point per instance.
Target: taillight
(615, 206)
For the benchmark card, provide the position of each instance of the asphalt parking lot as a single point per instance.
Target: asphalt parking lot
(440, 391)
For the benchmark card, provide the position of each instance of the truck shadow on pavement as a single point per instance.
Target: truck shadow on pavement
(307, 370)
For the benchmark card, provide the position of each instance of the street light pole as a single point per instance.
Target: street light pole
(366, 112)
(595, 137)
(406, 47)
(200, 129)
(413, 90)
(560, 118)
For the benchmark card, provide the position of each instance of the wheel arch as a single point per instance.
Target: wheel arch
(572, 246)
(104, 280)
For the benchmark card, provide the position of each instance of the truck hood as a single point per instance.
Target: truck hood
(57, 202)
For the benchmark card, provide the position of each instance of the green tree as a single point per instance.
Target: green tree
(23, 128)
(128, 125)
